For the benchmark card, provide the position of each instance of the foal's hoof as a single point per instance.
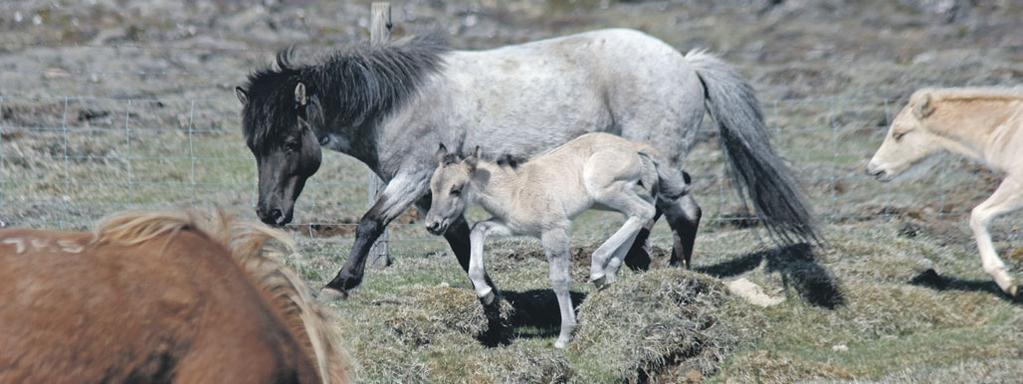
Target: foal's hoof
(601, 282)
(562, 342)
(488, 299)
(1013, 291)
(331, 294)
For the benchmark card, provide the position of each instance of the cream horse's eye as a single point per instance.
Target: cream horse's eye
(898, 135)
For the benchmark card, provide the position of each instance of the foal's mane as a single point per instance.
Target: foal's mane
(254, 248)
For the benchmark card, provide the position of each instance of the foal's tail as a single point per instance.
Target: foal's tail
(759, 173)
(671, 183)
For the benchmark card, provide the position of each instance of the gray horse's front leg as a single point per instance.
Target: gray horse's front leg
(398, 195)
(556, 247)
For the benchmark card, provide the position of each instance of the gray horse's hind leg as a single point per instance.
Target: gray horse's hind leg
(683, 216)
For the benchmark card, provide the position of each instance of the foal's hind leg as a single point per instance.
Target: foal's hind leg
(683, 216)
(1007, 198)
(608, 257)
(638, 257)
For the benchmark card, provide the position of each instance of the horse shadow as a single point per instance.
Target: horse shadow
(799, 270)
(931, 279)
(534, 314)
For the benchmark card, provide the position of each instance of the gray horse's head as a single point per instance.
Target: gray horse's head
(449, 189)
(280, 129)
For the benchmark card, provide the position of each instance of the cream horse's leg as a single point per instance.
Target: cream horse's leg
(1007, 198)
(477, 271)
(621, 197)
(556, 247)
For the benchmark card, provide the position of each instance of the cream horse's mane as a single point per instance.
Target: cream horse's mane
(255, 248)
(973, 93)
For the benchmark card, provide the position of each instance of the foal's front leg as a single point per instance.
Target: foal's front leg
(1007, 198)
(556, 247)
(477, 271)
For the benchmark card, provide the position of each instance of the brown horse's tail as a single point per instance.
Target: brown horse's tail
(255, 248)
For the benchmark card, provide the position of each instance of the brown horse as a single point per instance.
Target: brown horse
(159, 297)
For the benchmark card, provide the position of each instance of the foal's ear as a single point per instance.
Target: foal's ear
(924, 109)
(300, 97)
(473, 159)
(242, 95)
(441, 154)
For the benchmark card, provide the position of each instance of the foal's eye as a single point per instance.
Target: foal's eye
(456, 191)
(898, 135)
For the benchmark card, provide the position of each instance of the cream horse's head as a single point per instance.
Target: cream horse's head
(909, 140)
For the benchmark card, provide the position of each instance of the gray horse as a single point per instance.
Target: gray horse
(389, 106)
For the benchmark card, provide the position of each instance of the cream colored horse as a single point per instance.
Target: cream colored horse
(539, 198)
(984, 124)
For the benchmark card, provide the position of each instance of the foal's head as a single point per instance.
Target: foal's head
(908, 140)
(280, 122)
(449, 188)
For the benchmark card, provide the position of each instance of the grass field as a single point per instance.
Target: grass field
(111, 106)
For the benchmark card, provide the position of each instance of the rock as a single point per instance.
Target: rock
(752, 293)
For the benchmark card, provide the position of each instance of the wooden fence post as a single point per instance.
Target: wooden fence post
(379, 33)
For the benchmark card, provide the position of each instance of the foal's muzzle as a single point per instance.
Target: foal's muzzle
(437, 227)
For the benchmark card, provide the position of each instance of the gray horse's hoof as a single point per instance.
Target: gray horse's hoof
(331, 294)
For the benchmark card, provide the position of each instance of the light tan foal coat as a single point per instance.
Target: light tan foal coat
(984, 124)
(540, 198)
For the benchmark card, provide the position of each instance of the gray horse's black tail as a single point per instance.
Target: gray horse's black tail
(759, 173)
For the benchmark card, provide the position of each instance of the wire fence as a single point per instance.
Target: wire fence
(69, 160)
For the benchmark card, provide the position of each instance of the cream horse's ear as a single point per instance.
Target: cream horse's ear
(441, 154)
(473, 159)
(924, 109)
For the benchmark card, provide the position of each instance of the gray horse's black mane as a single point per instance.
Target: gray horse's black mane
(354, 85)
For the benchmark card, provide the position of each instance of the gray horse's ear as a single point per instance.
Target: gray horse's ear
(300, 97)
(242, 95)
(314, 111)
(474, 158)
(441, 154)
(924, 109)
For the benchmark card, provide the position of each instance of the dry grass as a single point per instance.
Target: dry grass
(861, 309)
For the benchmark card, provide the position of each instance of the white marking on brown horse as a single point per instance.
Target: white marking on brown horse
(19, 244)
(984, 124)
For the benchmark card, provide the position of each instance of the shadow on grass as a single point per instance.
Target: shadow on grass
(798, 268)
(535, 313)
(931, 279)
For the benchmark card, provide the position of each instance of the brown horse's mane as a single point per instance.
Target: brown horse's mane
(255, 248)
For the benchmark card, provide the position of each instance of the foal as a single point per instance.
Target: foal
(984, 124)
(540, 197)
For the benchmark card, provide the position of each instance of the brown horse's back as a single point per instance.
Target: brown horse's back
(174, 308)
